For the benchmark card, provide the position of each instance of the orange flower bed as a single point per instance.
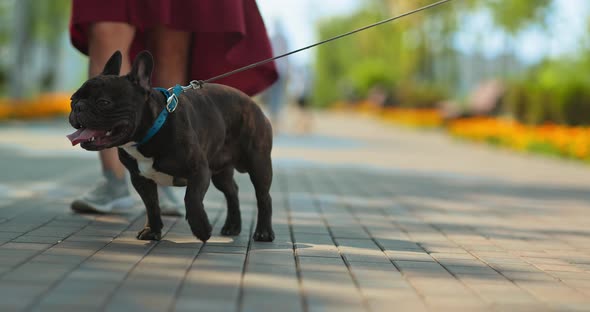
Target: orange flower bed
(5, 109)
(411, 117)
(42, 106)
(565, 141)
(366, 108)
(561, 140)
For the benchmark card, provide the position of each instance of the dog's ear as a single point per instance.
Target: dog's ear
(141, 71)
(113, 65)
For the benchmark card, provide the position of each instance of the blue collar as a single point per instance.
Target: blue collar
(171, 103)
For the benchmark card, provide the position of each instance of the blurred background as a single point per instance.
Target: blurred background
(510, 73)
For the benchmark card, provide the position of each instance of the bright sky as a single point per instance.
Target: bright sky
(567, 24)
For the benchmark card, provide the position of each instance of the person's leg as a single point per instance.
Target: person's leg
(170, 49)
(104, 38)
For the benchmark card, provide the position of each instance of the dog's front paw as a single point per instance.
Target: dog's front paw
(148, 234)
(202, 230)
(264, 234)
(231, 228)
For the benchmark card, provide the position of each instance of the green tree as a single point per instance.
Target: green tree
(513, 16)
(36, 25)
(417, 50)
(406, 50)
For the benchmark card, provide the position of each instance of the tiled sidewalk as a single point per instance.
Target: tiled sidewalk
(410, 235)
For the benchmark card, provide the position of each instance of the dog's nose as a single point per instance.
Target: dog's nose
(79, 106)
(74, 121)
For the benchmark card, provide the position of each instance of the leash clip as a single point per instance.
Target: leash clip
(196, 84)
(171, 103)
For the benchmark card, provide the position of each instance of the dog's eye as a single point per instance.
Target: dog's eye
(103, 102)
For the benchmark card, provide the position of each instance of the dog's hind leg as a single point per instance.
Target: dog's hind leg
(260, 171)
(193, 199)
(224, 181)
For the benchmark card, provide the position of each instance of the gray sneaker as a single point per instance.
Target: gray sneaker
(106, 196)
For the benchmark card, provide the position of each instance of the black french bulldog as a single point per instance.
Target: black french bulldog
(213, 131)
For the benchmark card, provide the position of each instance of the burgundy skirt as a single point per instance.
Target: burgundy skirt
(226, 34)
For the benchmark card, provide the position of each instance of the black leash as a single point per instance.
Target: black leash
(200, 82)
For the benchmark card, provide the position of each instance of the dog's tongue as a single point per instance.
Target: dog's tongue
(82, 135)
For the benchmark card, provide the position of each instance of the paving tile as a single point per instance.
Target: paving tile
(25, 246)
(33, 272)
(321, 264)
(415, 255)
(555, 293)
(87, 238)
(558, 268)
(18, 296)
(67, 252)
(514, 267)
(565, 274)
(220, 260)
(37, 239)
(334, 290)
(405, 302)
(278, 244)
(94, 245)
(55, 231)
(470, 269)
(147, 288)
(92, 274)
(224, 249)
(310, 229)
(456, 302)
(74, 292)
(317, 250)
(306, 238)
(399, 245)
(452, 256)
(9, 235)
(278, 257)
(529, 276)
(361, 250)
(189, 304)
(211, 285)
(265, 289)
(346, 231)
(375, 284)
(420, 267)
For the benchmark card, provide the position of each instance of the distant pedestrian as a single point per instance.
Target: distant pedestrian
(303, 88)
(276, 96)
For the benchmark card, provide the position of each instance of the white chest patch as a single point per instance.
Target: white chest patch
(145, 165)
